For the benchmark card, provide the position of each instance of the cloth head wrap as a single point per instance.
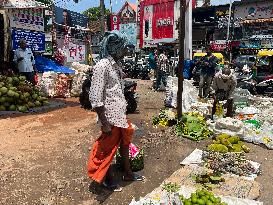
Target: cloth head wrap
(113, 43)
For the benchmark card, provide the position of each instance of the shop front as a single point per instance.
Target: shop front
(256, 24)
(203, 27)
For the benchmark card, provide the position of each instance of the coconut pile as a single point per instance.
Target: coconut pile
(16, 94)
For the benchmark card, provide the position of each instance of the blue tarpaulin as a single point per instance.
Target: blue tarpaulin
(45, 65)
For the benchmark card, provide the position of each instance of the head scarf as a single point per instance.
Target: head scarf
(113, 42)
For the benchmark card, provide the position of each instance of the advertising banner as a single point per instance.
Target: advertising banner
(31, 19)
(75, 53)
(148, 23)
(114, 22)
(35, 40)
(163, 20)
(130, 29)
(71, 18)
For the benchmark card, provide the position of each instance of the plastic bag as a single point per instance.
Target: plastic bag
(264, 135)
(62, 86)
(189, 95)
(77, 82)
(229, 124)
(47, 83)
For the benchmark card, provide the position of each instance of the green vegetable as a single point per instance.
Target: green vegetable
(170, 187)
(193, 127)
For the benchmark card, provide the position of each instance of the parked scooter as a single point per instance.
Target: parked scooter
(129, 92)
(143, 70)
(128, 68)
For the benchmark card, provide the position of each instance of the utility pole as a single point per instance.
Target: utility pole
(181, 57)
(228, 29)
(102, 20)
(111, 7)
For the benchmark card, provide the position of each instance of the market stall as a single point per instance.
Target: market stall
(220, 170)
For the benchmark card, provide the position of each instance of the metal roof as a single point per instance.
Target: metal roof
(8, 4)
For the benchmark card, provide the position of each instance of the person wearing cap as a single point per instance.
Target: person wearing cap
(24, 59)
(108, 100)
(224, 84)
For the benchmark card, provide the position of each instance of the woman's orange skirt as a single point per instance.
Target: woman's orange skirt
(104, 150)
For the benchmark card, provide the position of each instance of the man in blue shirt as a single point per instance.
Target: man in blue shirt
(153, 60)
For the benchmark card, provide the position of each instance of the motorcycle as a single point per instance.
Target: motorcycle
(129, 93)
(128, 68)
(143, 70)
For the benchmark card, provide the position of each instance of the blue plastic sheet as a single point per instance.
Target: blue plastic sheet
(45, 65)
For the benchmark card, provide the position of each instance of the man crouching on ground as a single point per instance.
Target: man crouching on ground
(108, 100)
(224, 84)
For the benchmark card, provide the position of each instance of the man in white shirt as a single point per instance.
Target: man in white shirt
(162, 70)
(25, 61)
(224, 84)
(108, 100)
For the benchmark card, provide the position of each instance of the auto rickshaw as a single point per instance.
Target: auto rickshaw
(219, 56)
(264, 65)
(198, 56)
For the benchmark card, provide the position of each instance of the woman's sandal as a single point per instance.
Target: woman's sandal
(134, 177)
(113, 187)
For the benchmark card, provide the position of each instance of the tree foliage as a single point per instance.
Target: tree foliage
(94, 13)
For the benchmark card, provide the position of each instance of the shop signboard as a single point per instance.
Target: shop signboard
(255, 10)
(130, 29)
(31, 19)
(114, 22)
(75, 53)
(163, 20)
(219, 45)
(35, 39)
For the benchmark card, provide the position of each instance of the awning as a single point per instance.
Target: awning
(20, 4)
(163, 40)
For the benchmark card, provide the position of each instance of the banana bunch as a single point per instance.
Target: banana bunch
(219, 109)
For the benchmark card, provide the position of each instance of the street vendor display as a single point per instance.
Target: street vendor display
(16, 94)
(225, 143)
(193, 126)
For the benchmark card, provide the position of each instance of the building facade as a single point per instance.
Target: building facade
(256, 26)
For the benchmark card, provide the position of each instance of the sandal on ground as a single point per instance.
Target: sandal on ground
(134, 177)
(113, 187)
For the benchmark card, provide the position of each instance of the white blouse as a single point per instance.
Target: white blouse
(107, 90)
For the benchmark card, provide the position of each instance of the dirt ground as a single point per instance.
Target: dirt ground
(43, 156)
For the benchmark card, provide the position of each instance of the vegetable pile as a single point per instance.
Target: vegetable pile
(231, 162)
(171, 187)
(193, 126)
(225, 143)
(202, 197)
(208, 179)
(17, 94)
(165, 118)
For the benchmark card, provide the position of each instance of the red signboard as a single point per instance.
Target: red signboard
(163, 20)
(223, 45)
(114, 21)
